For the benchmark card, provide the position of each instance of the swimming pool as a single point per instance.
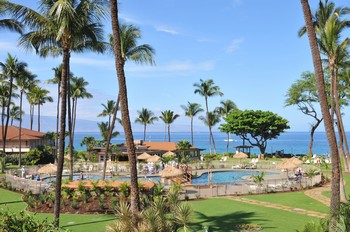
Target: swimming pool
(218, 177)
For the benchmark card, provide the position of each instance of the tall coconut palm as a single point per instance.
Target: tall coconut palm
(89, 142)
(145, 117)
(208, 89)
(57, 81)
(15, 114)
(24, 82)
(41, 97)
(108, 110)
(119, 65)
(168, 117)
(191, 110)
(211, 120)
(10, 70)
(60, 28)
(335, 182)
(224, 109)
(9, 24)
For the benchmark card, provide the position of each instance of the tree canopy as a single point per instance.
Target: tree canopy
(255, 126)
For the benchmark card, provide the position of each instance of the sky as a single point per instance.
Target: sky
(249, 48)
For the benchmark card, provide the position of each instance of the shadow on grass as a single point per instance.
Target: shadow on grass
(10, 202)
(88, 223)
(224, 222)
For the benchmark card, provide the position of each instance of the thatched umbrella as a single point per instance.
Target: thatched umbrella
(48, 169)
(143, 156)
(170, 171)
(153, 158)
(289, 164)
(168, 154)
(240, 155)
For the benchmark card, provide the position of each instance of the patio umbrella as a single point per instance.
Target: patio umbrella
(170, 171)
(48, 169)
(143, 156)
(240, 155)
(289, 164)
(153, 158)
(168, 154)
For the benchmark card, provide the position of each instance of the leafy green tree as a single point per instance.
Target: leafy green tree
(191, 110)
(303, 94)
(145, 117)
(208, 89)
(168, 117)
(211, 120)
(255, 126)
(224, 109)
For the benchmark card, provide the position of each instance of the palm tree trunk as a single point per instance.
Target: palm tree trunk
(20, 130)
(335, 182)
(192, 131)
(39, 115)
(70, 129)
(207, 112)
(228, 142)
(31, 116)
(65, 72)
(144, 131)
(109, 136)
(168, 132)
(57, 118)
(119, 63)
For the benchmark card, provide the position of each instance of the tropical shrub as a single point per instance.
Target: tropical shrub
(39, 155)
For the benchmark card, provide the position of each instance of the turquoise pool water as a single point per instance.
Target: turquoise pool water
(218, 177)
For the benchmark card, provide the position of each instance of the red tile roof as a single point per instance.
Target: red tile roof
(166, 146)
(13, 134)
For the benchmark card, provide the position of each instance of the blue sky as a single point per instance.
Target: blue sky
(249, 48)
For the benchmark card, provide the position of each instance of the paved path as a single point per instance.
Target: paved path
(316, 193)
(278, 206)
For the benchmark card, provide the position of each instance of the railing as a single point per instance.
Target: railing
(27, 184)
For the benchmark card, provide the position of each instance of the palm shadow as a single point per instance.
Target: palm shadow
(225, 222)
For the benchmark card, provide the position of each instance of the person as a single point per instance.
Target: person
(15, 173)
(23, 172)
(32, 177)
(81, 175)
(37, 177)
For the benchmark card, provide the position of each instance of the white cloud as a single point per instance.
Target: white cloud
(234, 45)
(167, 30)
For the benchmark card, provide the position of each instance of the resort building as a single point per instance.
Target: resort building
(152, 148)
(30, 139)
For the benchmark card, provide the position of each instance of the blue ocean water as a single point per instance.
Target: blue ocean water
(290, 142)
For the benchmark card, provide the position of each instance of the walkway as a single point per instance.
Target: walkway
(316, 194)
(278, 206)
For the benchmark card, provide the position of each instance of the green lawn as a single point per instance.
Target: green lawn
(292, 199)
(221, 214)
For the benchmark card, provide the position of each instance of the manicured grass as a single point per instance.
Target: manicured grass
(327, 194)
(221, 214)
(292, 199)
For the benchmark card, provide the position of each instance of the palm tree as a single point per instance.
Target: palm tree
(108, 110)
(208, 89)
(259, 179)
(57, 81)
(11, 69)
(24, 82)
(211, 120)
(168, 117)
(89, 142)
(9, 24)
(41, 97)
(145, 117)
(59, 28)
(191, 110)
(226, 107)
(15, 113)
(120, 57)
(335, 182)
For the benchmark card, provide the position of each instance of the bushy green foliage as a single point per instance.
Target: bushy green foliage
(39, 155)
(247, 227)
(22, 221)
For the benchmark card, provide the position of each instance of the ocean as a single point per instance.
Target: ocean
(290, 142)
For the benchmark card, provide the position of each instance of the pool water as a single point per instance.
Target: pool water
(218, 177)
(223, 177)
